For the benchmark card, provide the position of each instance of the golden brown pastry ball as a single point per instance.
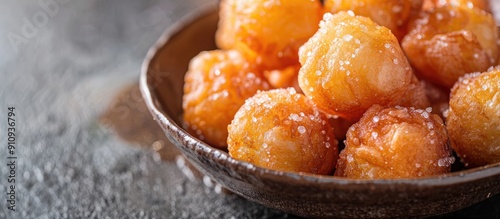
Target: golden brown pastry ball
(447, 42)
(395, 142)
(352, 63)
(280, 129)
(216, 85)
(268, 31)
(392, 14)
(473, 119)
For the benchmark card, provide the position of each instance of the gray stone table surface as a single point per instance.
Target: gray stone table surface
(62, 64)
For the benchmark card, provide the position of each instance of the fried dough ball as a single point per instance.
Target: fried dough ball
(447, 42)
(392, 14)
(352, 63)
(395, 142)
(281, 130)
(216, 85)
(268, 31)
(473, 120)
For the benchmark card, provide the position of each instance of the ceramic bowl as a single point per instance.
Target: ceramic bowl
(307, 195)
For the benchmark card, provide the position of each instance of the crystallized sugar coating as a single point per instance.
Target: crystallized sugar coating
(281, 130)
(395, 142)
(216, 84)
(352, 63)
(473, 119)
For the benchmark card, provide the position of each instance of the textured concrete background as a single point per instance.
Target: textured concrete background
(62, 63)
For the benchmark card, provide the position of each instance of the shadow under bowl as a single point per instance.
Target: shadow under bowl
(307, 195)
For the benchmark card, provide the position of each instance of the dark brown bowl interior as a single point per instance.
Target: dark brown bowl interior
(301, 194)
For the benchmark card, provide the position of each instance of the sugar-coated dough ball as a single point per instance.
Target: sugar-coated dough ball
(352, 63)
(280, 129)
(216, 84)
(268, 31)
(447, 42)
(473, 119)
(397, 142)
(392, 14)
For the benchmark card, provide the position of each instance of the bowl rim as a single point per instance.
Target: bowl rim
(221, 157)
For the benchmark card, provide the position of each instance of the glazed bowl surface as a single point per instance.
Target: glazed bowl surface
(307, 195)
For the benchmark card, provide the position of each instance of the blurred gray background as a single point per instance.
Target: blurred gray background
(62, 64)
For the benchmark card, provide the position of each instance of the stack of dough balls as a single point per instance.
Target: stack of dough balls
(293, 78)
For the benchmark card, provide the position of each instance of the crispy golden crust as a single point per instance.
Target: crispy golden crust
(473, 119)
(268, 31)
(281, 130)
(393, 14)
(216, 85)
(352, 63)
(447, 42)
(395, 142)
